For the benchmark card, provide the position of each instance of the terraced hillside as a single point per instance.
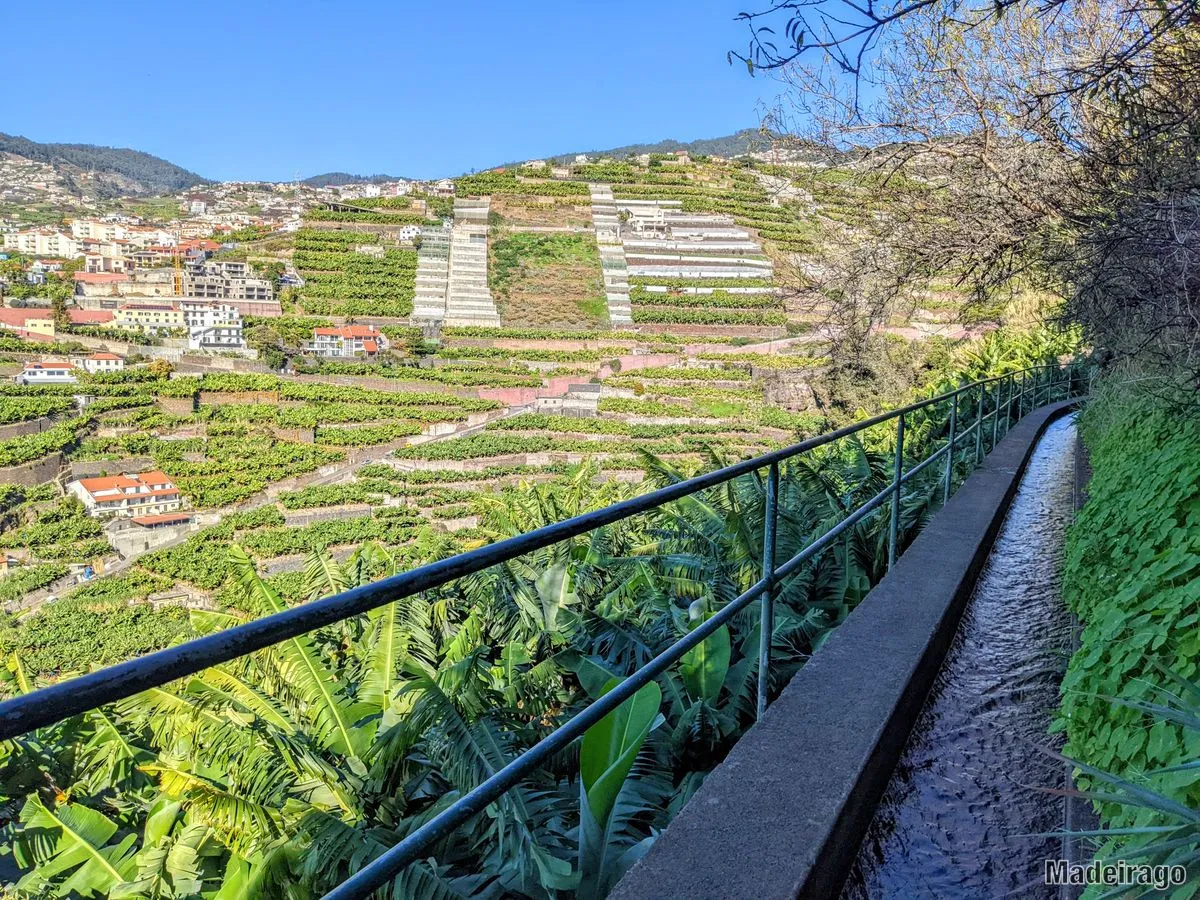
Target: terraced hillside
(574, 322)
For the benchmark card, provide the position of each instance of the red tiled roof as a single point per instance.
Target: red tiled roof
(370, 346)
(100, 277)
(16, 318)
(349, 331)
(48, 364)
(161, 519)
(128, 482)
(90, 316)
(107, 483)
(105, 356)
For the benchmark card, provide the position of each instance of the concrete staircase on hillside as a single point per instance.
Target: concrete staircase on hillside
(468, 299)
(433, 275)
(607, 223)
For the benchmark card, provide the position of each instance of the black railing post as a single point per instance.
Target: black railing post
(897, 492)
(979, 423)
(766, 621)
(996, 416)
(950, 450)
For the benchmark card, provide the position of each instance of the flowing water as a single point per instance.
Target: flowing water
(961, 816)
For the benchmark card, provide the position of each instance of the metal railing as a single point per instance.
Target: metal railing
(1022, 392)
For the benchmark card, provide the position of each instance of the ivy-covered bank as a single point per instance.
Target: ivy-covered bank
(1132, 575)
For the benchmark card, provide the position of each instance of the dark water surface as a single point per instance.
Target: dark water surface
(961, 814)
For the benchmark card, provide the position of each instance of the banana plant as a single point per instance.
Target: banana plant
(606, 756)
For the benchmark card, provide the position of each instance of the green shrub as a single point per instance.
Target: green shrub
(1132, 575)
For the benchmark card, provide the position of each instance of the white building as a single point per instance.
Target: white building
(347, 341)
(43, 242)
(99, 363)
(48, 371)
(151, 493)
(213, 326)
(408, 233)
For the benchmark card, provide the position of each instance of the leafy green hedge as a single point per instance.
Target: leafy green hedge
(1132, 576)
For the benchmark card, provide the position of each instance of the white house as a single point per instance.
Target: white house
(408, 233)
(213, 326)
(99, 363)
(48, 371)
(151, 493)
(347, 341)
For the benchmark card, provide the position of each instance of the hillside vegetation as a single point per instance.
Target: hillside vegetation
(116, 170)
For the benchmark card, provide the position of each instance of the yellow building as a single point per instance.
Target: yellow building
(149, 318)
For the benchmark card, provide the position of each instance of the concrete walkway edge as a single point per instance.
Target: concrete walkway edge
(783, 816)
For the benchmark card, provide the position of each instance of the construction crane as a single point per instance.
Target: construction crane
(177, 256)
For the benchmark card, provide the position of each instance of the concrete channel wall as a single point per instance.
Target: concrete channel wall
(783, 816)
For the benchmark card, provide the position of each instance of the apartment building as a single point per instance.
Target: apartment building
(43, 242)
(149, 318)
(213, 326)
(109, 231)
(126, 496)
(347, 342)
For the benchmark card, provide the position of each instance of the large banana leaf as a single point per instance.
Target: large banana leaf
(69, 847)
(554, 590)
(610, 746)
(331, 714)
(608, 751)
(704, 667)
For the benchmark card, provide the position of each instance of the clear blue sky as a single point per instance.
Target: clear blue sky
(262, 89)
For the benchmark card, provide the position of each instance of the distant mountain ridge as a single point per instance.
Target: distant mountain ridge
(748, 140)
(336, 179)
(107, 171)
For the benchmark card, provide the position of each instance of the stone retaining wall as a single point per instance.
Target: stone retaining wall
(31, 474)
(93, 468)
(29, 426)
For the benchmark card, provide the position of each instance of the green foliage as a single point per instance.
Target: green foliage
(292, 763)
(367, 435)
(1133, 577)
(65, 533)
(18, 409)
(339, 281)
(99, 623)
(19, 450)
(329, 495)
(508, 183)
(21, 581)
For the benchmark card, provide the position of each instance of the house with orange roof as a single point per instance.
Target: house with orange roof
(347, 342)
(128, 496)
(99, 363)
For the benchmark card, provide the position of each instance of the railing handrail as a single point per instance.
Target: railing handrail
(54, 703)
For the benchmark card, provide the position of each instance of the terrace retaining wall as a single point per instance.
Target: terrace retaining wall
(29, 426)
(94, 468)
(178, 406)
(33, 473)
